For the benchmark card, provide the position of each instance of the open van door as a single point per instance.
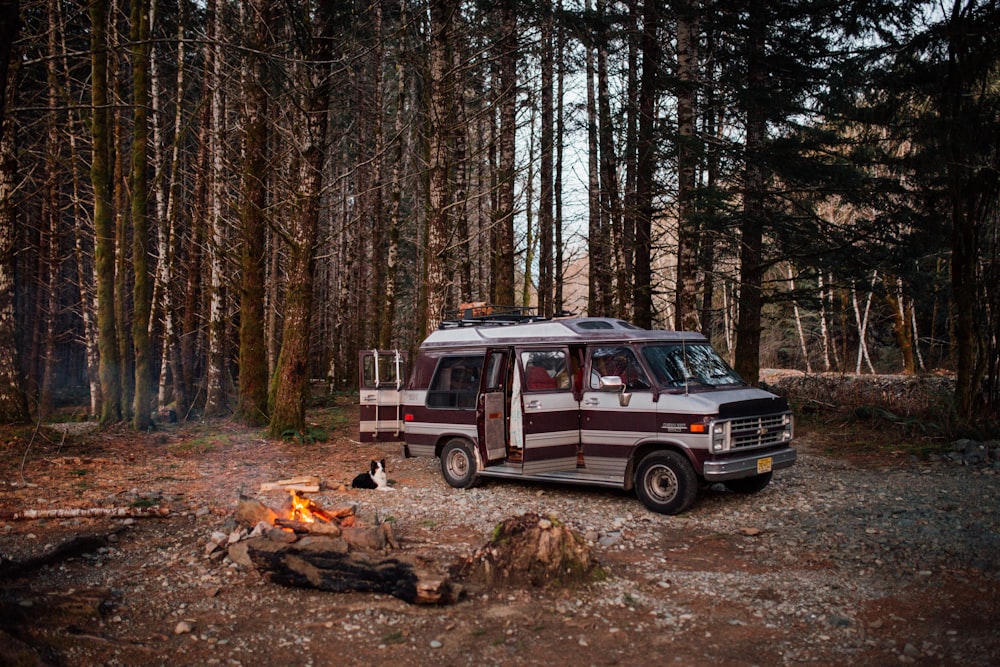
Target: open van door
(382, 375)
(492, 410)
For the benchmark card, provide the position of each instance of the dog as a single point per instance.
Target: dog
(375, 478)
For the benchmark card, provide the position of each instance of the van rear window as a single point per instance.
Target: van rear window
(455, 383)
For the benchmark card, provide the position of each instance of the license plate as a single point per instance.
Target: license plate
(763, 465)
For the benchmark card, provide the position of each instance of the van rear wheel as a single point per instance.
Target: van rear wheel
(458, 463)
(665, 482)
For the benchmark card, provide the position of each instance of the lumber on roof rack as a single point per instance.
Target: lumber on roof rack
(481, 313)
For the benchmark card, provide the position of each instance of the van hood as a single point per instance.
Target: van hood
(729, 403)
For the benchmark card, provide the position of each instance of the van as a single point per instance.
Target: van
(585, 400)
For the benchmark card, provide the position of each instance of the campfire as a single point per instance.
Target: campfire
(307, 517)
(305, 544)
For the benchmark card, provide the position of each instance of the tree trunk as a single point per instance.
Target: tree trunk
(686, 309)
(438, 222)
(798, 320)
(142, 293)
(610, 236)
(751, 297)
(252, 397)
(557, 305)
(9, 26)
(104, 250)
(545, 194)
(596, 245)
(646, 168)
(51, 215)
(291, 382)
(217, 373)
(13, 400)
(507, 102)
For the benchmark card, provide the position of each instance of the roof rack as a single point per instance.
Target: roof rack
(481, 313)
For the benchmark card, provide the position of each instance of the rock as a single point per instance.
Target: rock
(183, 627)
(238, 554)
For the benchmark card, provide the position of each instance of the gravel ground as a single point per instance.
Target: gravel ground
(880, 561)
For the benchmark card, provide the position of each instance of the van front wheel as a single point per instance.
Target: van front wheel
(665, 482)
(458, 463)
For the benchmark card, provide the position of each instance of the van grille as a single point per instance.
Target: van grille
(757, 431)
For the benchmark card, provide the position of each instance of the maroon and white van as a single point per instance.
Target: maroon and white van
(584, 401)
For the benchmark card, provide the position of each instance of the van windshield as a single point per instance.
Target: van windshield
(676, 365)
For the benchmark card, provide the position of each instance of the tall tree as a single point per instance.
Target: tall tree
(545, 182)
(9, 24)
(685, 302)
(142, 294)
(646, 167)
(104, 249)
(217, 381)
(507, 47)
(291, 379)
(748, 328)
(13, 399)
(438, 224)
(252, 397)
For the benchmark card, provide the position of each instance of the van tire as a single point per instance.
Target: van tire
(458, 463)
(665, 482)
(748, 484)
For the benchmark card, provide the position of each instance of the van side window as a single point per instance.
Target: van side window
(617, 361)
(455, 383)
(545, 370)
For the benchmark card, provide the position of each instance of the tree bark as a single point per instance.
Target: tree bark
(685, 304)
(507, 102)
(439, 222)
(142, 293)
(751, 297)
(646, 168)
(217, 373)
(104, 251)
(545, 191)
(291, 382)
(9, 26)
(252, 397)
(13, 399)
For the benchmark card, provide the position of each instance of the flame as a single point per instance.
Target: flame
(300, 509)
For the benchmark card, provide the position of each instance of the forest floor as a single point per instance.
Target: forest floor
(861, 553)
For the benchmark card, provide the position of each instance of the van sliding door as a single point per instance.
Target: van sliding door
(382, 375)
(550, 423)
(493, 405)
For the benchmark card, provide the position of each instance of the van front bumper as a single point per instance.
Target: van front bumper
(746, 465)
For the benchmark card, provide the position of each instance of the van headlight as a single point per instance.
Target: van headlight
(789, 424)
(720, 436)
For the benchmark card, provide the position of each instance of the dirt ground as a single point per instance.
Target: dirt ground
(145, 591)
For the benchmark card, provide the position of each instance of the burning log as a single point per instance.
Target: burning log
(310, 527)
(321, 564)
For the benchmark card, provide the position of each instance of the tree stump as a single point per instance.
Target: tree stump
(530, 550)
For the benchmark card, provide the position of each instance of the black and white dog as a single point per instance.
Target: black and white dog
(375, 478)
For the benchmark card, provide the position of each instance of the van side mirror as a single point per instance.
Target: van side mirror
(615, 383)
(611, 383)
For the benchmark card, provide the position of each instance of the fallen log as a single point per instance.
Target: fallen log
(113, 512)
(75, 546)
(322, 564)
(278, 486)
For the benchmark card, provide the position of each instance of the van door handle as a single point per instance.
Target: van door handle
(591, 401)
(533, 404)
